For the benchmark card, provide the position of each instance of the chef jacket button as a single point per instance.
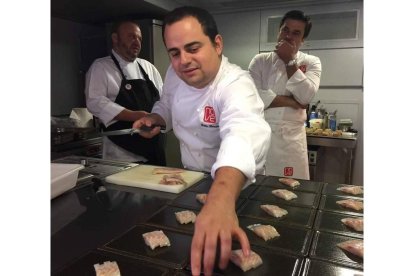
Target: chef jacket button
(199, 154)
(195, 134)
(198, 109)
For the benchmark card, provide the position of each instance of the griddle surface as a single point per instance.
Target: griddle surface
(328, 203)
(294, 240)
(304, 199)
(127, 266)
(132, 244)
(331, 189)
(324, 247)
(165, 218)
(331, 222)
(299, 216)
(305, 185)
(320, 268)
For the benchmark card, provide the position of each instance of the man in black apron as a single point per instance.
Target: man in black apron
(136, 94)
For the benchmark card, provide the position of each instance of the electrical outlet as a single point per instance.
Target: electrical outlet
(312, 157)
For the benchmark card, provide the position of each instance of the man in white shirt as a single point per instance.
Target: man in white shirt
(122, 88)
(217, 115)
(287, 81)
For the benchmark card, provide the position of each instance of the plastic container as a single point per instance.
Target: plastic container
(63, 177)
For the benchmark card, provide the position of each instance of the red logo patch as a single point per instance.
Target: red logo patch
(209, 115)
(288, 171)
(303, 68)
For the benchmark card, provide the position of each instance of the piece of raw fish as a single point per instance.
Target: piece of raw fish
(289, 182)
(355, 223)
(201, 198)
(266, 232)
(353, 190)
(355, 247)
(356, 205)
(185, 216)
(107, 269)
(156, 238)
(172, 179)
(284, 194)
(245, 263)
(274, 210)
(166, 170)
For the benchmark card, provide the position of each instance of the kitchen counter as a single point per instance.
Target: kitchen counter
(347, 145)
(89, 145)
(90, 224)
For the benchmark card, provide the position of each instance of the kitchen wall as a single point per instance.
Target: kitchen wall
(73, 47)
(342, 68)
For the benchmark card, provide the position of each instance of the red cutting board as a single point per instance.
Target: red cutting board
(141, 176)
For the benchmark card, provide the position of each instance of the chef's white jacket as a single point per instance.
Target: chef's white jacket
(219, 125)
(103, 81)
(288, 151)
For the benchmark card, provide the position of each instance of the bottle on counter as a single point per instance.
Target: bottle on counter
(332, 121)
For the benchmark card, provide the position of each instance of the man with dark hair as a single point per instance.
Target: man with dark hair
(120, 89)
(217, 115)
(287, 81)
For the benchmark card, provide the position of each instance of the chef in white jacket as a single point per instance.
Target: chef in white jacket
(217, 115)
(120, 89)
(287, 80)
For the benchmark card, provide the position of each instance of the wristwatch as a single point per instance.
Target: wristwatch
(291, 62)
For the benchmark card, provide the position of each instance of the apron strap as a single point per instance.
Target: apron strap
(118, 66)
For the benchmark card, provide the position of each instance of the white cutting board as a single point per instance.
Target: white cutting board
(141, 176)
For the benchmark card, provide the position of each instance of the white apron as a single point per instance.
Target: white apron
(288, 153)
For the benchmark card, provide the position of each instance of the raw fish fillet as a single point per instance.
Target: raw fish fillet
(245, 263)
(274, 210)
(356, 205)
(284, 194)
(201, 198)
(266, 232)
(156, 238)
(289, 182)
(355, 247)
(172, 179)
(107, 269)
(167, 171)
(185, 217)
(355, 223)
(353, 190)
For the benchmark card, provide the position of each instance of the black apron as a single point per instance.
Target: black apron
(137, 95)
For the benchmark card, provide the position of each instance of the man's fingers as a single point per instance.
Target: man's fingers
(209, 253)
(225, 244)
(197, 246)
(244, 241)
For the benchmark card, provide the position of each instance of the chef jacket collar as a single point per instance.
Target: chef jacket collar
(276, 60)
(122, 62)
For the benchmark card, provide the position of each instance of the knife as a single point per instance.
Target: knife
(130, 131)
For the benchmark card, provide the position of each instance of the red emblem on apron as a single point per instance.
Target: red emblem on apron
(209, 115)
(288, 171)
(302, 68)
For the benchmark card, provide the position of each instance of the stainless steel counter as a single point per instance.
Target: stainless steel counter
(346, 145)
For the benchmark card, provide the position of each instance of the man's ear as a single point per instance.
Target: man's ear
(218, 44)
(114, 38)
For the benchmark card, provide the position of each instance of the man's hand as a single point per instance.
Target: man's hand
(217, 223)
(286, 50)
(286, 101)
(149, 120)
(129, 115)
